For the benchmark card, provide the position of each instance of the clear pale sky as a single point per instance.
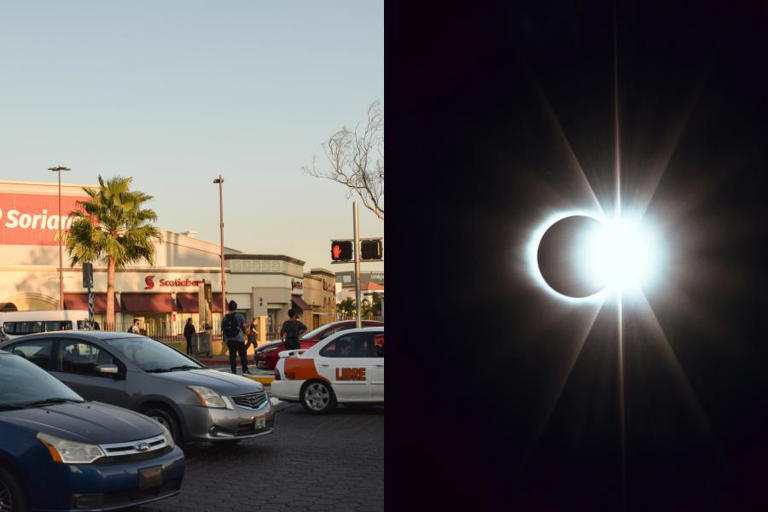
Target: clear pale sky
(174, 92)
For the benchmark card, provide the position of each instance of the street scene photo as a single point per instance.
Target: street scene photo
(192, 257)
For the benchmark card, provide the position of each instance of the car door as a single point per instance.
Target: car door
(76, 364)
(377, 367)
(345, 362)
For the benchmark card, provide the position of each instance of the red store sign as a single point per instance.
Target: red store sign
(28, 219)
(149, 282)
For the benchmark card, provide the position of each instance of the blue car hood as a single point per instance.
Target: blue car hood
(87, 422)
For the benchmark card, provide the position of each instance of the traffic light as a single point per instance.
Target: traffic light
(370, 250)
(341, 250)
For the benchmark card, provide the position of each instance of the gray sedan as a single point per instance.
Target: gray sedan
(195, 403)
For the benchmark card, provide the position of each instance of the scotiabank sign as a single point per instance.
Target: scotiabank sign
(151, 281)
(27, 219)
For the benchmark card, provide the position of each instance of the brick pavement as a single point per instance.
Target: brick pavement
(333, 462)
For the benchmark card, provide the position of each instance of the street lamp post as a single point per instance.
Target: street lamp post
(58, 169)
(220, 181)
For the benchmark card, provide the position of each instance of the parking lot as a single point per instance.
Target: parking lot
(315, 463)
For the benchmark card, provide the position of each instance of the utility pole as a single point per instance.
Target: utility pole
(220, 181)
(358, 322)
(58, 169)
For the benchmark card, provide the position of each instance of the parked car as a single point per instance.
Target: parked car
(345, 368)
(19, 323)
(266, 356)
(59, 452)
(193, 402)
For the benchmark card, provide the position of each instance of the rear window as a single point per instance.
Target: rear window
(32, 327)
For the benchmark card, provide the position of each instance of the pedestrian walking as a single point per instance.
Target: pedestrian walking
(233, 331)
(253, 334)
(135, 327)
(291, 330)
(189, 330)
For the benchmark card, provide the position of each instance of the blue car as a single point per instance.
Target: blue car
(60, 452)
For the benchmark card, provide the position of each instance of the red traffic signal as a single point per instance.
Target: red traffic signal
(341, 250)
(371, 250)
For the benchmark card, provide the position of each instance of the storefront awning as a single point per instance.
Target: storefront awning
(136, 303)
(79, 301)
(187, 302)
(8, 306)
(298, 302)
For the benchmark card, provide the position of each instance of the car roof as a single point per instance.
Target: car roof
(370, 328)
(93, 335)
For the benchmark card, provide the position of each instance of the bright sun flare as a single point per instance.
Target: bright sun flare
(619, 255)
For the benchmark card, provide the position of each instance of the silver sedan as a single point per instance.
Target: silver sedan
(194, 402)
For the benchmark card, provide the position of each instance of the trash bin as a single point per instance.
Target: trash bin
(201, 343)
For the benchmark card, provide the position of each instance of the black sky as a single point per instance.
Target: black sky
(474, 96)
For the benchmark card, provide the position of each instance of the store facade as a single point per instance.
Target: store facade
(162, 296)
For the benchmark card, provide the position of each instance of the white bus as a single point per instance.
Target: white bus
(19, 323)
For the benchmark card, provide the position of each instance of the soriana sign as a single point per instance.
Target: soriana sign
(28, 219)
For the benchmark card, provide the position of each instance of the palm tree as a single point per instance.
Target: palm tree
(346, 308)
(112, 226)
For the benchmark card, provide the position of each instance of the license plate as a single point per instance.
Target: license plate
(259, 423)
(150, 477)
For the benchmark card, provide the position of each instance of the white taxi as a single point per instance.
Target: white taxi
(346, 368)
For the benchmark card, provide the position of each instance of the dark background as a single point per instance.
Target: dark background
(480, 100)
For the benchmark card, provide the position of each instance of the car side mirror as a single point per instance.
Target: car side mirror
(107, 369)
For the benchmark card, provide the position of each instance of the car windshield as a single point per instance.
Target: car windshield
(151, 355)
(23, 384)
(315, 332)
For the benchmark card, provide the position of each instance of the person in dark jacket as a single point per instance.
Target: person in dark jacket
(189, 330)
(291, 331)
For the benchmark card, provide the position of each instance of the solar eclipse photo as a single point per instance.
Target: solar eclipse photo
(599, 172)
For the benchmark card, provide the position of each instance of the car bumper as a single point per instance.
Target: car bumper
(288, 390)
(206, 424)
(264, 362)
(109, 486)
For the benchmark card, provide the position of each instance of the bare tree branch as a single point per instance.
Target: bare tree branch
(356, 160)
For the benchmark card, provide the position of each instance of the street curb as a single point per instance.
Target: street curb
(267, 381)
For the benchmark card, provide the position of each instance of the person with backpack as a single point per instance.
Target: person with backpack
(291, 330)
(233, 331)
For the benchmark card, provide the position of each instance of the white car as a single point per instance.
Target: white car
(19, 323)
(346, 368)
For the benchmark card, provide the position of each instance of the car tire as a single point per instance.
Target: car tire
(12, 497)
(165, 418)
(317, 397)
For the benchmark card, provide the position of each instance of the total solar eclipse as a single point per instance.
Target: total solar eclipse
(579, 256)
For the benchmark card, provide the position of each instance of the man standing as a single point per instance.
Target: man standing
(291, 330)
(135, 327)
(189, 331)
(233, 330)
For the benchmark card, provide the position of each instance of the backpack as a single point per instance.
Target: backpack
(229, 326)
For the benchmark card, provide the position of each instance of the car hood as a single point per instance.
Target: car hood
(87, 422)
(270, 345)
(221, 382)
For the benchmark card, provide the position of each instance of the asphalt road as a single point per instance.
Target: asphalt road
(310, 463)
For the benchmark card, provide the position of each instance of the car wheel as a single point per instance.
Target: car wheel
(317, 397)
(12, 498)
(166, 419)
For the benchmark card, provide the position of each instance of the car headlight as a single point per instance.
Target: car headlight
(168, 437)
(270, 349)
(70, 452)
(208, 397)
